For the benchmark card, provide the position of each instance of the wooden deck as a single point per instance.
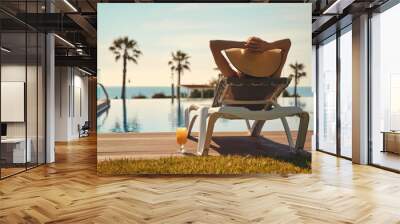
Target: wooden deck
(156, 145)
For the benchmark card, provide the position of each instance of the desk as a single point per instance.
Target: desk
(391, 141)
(13, 150)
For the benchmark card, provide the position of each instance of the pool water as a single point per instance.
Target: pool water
(161, 115)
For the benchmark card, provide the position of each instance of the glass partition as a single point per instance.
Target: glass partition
(31, 97)
(22, 67)
(13, 86)
(41, 97)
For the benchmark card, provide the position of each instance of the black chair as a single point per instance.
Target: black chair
(84, 130)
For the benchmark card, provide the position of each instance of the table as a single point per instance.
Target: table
(13, 150)
(391, 141)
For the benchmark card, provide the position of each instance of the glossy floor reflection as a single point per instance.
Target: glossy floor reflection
(387, 159)
(70, 191)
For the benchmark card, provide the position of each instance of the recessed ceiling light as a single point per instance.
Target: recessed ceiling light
(84, 71)
(64, 40)
(70, 5)
(5, 50)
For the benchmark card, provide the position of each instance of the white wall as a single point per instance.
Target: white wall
(80, 109)
(71, 102)
(62, 81)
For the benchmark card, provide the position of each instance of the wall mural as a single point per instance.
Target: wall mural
(204, 88)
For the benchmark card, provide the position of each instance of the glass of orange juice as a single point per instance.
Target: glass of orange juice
(181, 138)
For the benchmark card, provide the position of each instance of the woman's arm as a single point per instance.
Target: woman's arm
(253, 44)
(216, 47)
(284, 45)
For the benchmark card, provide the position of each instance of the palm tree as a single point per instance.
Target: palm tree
(129, 51)
(298, 73)
(179, 63)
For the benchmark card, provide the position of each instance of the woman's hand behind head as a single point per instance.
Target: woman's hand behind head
(256, 44)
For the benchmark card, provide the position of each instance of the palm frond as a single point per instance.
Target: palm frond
(186, 67)
(179, 62)
(136, 51)
(130, 58)
(123, 46)
(302, 74)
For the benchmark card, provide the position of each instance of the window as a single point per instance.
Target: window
(346, 93)
(327, 96)
(385, 89)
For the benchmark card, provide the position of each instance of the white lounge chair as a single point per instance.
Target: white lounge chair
(246, 99)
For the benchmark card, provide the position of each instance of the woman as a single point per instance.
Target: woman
(253, 45)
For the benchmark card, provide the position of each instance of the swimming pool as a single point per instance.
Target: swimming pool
(161, 115)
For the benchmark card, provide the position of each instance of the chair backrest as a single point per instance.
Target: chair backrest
(252, 93)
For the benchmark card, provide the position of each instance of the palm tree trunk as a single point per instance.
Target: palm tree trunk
(295, 88)
(172, 91)
(178, 88)
(124, 114)
(123, 79)
(179, 117)
(123, 96)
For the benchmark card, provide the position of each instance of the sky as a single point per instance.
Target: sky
(162, 28)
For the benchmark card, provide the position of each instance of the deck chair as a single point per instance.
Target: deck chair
(246, 99)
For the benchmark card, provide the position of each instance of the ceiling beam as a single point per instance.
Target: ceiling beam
(338, 6)
(86, 27)
(76, 61)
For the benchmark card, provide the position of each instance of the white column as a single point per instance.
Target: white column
(314, 90)
(50, 92)
(360, 90)
(50, 99)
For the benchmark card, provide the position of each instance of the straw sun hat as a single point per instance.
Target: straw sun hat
(253, 63)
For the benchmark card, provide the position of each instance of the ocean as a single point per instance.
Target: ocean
(149, 91)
